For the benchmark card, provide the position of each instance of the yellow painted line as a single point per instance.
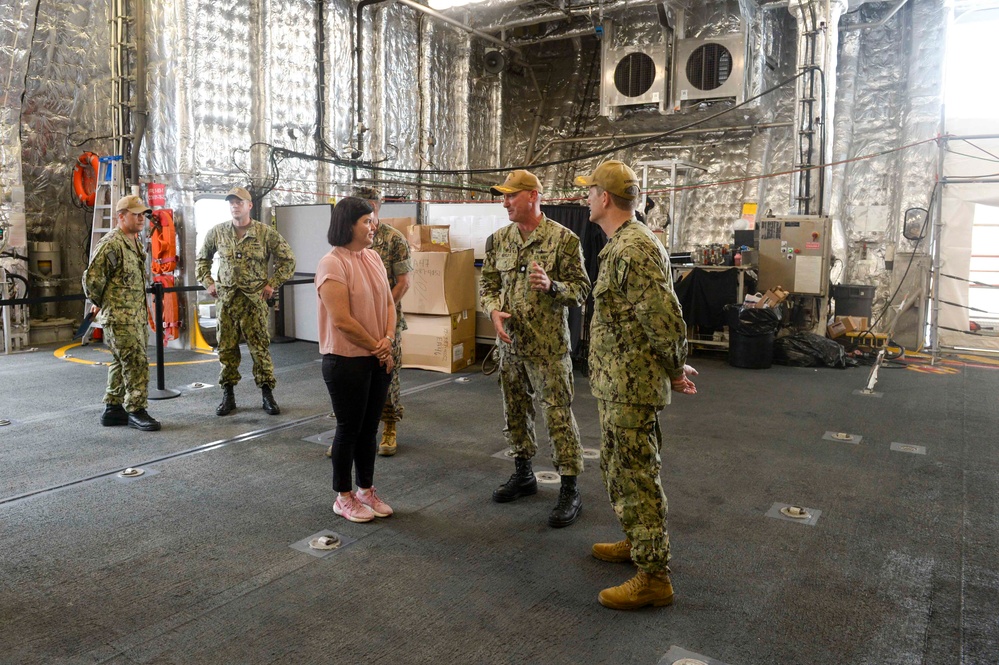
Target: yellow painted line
(60, 353)
(980, 360)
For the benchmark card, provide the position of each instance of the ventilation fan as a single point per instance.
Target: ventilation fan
(708, 69)
(633, 74)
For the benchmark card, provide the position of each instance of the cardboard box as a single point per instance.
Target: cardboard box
(772, 298)
(441, 283)
(439, 343)
(835, 329)
(483, 324)
(484, 327)
(428, 238)
(852, 323)
(401, 224)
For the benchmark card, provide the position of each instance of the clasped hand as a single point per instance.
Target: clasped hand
(683, 384)
(383, 351)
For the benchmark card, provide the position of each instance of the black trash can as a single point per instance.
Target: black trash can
(853, 299)
(751, 336)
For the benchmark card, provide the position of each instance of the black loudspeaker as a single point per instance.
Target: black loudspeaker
(494, 62)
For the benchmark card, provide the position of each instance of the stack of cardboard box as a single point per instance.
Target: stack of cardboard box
(440, 303)
(841, 325)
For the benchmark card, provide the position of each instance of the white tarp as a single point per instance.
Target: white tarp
(964, 159)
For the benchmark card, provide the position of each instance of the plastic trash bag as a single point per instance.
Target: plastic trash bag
(752, 322)
(805, 349)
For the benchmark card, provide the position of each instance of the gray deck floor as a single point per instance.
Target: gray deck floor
(192, 563)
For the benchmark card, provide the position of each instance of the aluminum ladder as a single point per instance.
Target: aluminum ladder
(106, 197)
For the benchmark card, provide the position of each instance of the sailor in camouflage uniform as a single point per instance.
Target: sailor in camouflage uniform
(392, 247)
(638, 347)
(532, 274)
(243, 288)
(115, 282)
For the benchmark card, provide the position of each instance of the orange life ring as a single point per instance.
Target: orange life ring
(86, 187)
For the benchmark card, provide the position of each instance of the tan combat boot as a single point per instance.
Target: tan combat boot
(618, 552)
(641, 590)
(388, 446)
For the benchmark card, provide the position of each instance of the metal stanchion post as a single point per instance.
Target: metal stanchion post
(160, 392)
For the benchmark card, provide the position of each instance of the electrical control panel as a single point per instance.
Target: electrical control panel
(794, 254)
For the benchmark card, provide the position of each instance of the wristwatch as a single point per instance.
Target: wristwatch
(554, 289)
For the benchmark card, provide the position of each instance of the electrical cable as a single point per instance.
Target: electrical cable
(963, 154)
(11, 254)
(975, 145)
(912, 256)
(23, 280)
(968, 307)
(491, 362)
(558, 162)
(970, 281)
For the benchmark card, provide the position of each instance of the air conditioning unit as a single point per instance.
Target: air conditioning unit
(709, 69)
(634, 74)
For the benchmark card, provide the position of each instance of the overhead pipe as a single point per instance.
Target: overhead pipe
(358, 57)
(568, 34)
(141, 107)
(568, 13)
(457, 24)
(643, 135)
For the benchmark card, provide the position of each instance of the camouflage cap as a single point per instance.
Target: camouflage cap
(132, 203)
(614, 177)
(239, 193)
(518, 181)
(367, 193)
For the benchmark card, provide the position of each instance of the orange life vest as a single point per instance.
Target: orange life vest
(163, 257)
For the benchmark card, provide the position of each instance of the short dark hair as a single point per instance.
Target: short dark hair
(345, 214)
(620, 202)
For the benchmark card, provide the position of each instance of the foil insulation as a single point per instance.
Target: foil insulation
(64, 113)
(889, 96)
(742, 149)
(17, 24)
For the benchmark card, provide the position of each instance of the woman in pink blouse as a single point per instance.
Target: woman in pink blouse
(356, 328)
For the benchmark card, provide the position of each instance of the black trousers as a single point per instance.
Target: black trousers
(357, 387)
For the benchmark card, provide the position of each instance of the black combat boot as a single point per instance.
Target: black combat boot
(569, 505)
(141, 420)
(270, 406)
(228, 404)
(521, 483)
(114, 415)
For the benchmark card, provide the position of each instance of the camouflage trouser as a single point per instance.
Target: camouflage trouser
(242, 315)
(551, 379)
(392, 413)
(629, 460)
(128, 371)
